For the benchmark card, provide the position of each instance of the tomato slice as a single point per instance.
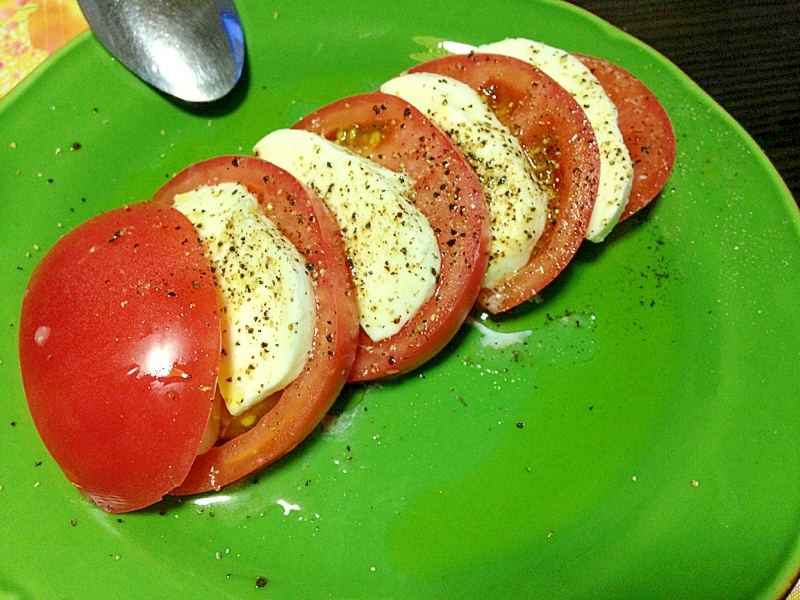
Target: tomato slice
(644, 124)
(306, 222)
(561, 145)
(394, 134)
(119, 350)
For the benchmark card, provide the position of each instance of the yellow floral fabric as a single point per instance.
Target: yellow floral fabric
(30, 32)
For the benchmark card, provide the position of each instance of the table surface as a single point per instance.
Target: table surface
(745, 54)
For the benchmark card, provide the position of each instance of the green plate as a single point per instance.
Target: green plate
(632, 434)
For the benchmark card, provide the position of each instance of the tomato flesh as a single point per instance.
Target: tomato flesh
(645, 126)
(119, 350)
(394, 134)
(561, 145)
(306, 222)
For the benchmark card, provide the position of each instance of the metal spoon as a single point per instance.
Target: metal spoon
(191, 49)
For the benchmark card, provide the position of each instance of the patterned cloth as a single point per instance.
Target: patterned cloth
(30, 32)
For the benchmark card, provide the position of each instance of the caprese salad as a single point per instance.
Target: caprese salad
(214, 325)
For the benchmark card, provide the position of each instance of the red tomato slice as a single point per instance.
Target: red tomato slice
(394, 134)
(306, 222)
(646, 127)
(119, 349)
(561, 144)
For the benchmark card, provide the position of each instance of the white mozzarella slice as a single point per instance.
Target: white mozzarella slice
(266, 298)
(517, 202)
(393, 254)
(616, 167)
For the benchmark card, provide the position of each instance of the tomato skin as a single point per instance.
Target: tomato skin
(448, 193)
(306, 222)
(119, 350)
(645, 126)
(543, 116)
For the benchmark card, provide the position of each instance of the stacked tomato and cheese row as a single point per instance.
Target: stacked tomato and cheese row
(351, 248)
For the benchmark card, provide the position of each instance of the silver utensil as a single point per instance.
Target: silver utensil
(191, 49)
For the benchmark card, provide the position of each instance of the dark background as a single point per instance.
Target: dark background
(745, 54)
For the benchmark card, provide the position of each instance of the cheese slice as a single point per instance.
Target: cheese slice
(266, 297)
(616, 167)
(392, 249)
(517, 201)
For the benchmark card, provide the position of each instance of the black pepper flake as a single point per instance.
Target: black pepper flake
(76, 146)
(235, 162)
(38, 463)
(261, 582)
(520, 424)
